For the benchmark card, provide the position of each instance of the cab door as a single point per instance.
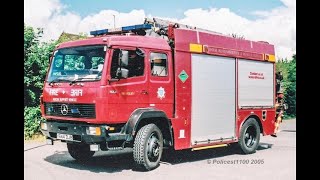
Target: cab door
(125, 94)
(161, 81)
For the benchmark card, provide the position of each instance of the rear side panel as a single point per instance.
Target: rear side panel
(267, 122)
(256, 93)
(255, 83)
(186, 127)
(213, 98)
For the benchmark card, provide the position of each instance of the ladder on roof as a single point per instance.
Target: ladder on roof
(161, 26)
(151, 26)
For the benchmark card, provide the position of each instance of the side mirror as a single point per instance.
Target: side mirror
(122, 73)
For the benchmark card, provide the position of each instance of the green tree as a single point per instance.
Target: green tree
(36, 58)
(288, 69)
(290, 94)
(36, 63)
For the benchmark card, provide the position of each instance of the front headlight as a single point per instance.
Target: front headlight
(94, 131)
(43, 126)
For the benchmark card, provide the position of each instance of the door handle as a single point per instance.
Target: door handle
(144, 92)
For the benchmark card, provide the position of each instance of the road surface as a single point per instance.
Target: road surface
(274, 159)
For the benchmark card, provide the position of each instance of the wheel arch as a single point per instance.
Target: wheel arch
(144, 116)
(254, 116)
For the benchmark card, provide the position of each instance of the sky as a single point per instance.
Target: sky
(273, 21)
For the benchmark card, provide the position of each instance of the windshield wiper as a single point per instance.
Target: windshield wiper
(58, 80)
(79, 79)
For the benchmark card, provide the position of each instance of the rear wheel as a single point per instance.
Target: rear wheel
(249, 136)
(148, 147)
(80, 152)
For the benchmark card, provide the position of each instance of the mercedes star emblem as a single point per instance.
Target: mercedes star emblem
(64, 109)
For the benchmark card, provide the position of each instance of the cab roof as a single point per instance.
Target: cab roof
(121, 40)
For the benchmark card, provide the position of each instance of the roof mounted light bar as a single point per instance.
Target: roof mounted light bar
(125, 29)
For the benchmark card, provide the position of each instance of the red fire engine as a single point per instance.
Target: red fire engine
(156, 85)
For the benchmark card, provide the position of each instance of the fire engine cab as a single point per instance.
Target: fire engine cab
(160, 85)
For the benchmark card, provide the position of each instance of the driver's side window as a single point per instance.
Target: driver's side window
(127, 62)
(159, 64)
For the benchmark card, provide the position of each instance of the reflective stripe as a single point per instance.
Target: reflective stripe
(208, 147)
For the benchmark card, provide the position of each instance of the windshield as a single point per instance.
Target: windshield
(83, 63)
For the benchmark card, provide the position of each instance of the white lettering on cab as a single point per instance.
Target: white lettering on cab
(53, 92)
(64, 99)
(76, 92)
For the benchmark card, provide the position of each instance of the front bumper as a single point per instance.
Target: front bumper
(78, 131)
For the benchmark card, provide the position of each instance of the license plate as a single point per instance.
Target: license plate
(65, 137)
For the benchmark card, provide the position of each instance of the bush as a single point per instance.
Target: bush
(288, 69)
(32, 119)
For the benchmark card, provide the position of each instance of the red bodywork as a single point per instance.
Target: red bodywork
(115, 108)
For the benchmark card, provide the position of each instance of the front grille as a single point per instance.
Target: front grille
(70, 110)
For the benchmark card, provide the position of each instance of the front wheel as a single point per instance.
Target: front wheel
(148, 147)
(249, 136)
(80, 152)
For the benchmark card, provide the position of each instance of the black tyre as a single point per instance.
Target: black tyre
(80, 152)
(249, 136)
(148, 147)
